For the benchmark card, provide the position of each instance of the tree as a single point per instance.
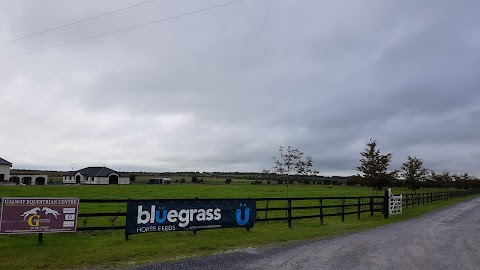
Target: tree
(133, 177)
(304, 167)
(290, 161)
(375, 165)
(413, 172)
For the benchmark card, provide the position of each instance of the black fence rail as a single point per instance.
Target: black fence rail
(289, 209)
(417, 199)
(272, 209)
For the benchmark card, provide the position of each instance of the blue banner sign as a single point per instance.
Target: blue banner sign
(189, 215)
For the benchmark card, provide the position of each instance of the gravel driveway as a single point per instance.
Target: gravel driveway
(445, 239)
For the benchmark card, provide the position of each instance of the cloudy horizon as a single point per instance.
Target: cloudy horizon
(221, 90)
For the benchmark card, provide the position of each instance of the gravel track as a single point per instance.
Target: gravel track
(448, 238)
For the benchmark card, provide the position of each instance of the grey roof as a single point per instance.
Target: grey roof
(5, 162)
(96, 171)
(70, 173)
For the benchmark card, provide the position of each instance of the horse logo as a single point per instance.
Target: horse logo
(30, 212)
(242, 221)
(50, 211)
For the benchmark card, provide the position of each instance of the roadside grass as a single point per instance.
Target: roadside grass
(109, 249)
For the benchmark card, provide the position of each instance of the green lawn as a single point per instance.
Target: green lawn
(108, 248)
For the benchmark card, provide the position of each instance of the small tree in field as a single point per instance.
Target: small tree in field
(375, 165)
(413, 172)
(290, 161)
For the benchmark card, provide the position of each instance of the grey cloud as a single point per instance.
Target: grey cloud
(221, 90)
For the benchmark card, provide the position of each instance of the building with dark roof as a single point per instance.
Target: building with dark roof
(95, 176)
(14, 179)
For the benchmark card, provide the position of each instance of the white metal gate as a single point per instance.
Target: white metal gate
(394, 203)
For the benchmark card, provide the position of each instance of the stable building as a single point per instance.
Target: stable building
(27, 180)
(95, 176)
(6, 178)
(4, 170)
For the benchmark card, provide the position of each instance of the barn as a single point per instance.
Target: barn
(4, 170)
(6, 177)
(95, 176)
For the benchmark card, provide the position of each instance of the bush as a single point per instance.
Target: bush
(228, 181)
(182, 180)
(194, 179)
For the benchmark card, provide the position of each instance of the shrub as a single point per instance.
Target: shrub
(228, 181)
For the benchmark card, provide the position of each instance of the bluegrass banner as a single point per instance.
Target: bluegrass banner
(189, 215)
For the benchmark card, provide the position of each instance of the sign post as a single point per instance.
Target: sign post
(38, 215)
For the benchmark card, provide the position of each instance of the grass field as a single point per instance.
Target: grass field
(108, 248)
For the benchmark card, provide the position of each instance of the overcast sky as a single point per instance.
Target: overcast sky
(221, 90)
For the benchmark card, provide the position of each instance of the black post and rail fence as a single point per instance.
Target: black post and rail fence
(279, 209)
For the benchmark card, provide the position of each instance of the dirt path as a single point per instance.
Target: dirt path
(445, 239)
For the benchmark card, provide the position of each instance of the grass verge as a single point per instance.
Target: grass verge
(109, 249)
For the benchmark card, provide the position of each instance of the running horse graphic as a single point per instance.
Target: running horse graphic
(30, 212)
(50, 211)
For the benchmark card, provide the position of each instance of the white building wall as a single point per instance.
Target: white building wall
(124, 180)
(95, 180)
(103, 180)
(67, 180)
(5, 170)
(33, 177)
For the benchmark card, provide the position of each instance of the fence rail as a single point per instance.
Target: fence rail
(288, 209)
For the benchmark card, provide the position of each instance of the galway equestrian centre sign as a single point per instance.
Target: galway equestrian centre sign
(38, 215)
(189, 215)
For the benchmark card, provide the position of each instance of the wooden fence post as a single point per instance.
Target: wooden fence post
(343, 209)
(371, 206)
(126, 233)
(289, 212)
(321, 211)
(266, 209)
(386, 205)
(359, 208)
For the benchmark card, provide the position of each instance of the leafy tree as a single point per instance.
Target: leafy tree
(413, 172)
(375, 166)
(442, 180)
